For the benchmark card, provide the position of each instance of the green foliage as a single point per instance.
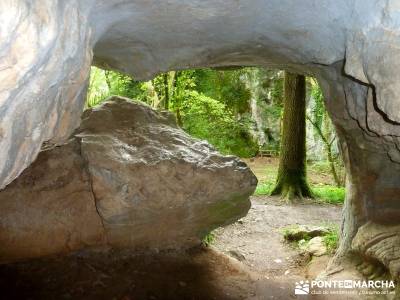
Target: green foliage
(206, 118)
(331, 240)
(264, 188)
(323, 193)
(208, 239)
(225, 87)
(291, 233)
(103, 84)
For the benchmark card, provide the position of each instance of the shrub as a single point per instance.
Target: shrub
(207, 118)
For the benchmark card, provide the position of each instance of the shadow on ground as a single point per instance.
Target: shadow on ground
(196, 274)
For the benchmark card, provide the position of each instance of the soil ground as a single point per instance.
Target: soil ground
(247, 260)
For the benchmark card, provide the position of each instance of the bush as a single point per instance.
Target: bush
(207, 118)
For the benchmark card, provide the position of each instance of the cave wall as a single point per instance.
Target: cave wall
(351, 46)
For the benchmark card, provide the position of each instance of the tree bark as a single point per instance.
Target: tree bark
(291, 181)
(166, 91)
(328, 151)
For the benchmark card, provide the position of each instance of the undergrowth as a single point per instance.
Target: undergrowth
(208, 239)
(331, 240)
(322, 192)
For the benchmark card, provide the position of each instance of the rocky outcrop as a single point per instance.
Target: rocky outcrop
(128, 178)
(380, 243)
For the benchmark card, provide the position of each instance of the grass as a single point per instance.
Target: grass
(329, 194)
(264, 188)
(208, 239)
(331, 240)
(323, 192)
(288, 232)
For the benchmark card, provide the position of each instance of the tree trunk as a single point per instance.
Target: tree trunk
(292, 181)
(328, 151)
(166, 91)
(179, 120)
(108, 80)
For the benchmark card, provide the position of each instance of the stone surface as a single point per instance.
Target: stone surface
(128, 178)
(155, 185)
(299, 232)
(380, 242)
(316, 246)
(50, 208)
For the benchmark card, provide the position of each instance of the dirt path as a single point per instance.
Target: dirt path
(257, 241)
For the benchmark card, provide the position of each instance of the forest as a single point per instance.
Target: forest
(240, 112)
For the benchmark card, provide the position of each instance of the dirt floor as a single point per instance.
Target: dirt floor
(257, 241)
(247, 260)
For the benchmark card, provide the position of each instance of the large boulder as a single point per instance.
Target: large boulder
(128, 178)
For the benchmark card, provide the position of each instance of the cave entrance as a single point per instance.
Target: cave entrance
(349, 46)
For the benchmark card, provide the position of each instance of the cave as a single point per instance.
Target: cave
(351, 47)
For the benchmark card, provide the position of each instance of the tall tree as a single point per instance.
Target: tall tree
(292, 180)
(166, 91)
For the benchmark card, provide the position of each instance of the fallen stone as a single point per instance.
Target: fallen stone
(237, 255)
(154, 185)
(128, 178)
(316, 246)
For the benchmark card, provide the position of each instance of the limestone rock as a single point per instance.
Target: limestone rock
(129, 178)
(316, 246)
(50, 208)
(155, 185)
(380, 242)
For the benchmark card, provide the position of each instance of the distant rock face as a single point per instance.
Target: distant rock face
(128, 178)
